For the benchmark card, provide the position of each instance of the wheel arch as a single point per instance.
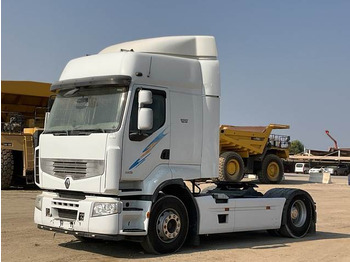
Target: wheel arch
(178, 188)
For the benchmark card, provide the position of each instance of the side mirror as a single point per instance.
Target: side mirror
(145, 119)
(145, 98)
(145, 115)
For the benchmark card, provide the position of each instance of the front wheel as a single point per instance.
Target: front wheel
(168, 226)
(231, 167)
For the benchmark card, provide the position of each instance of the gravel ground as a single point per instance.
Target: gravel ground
(22, 241)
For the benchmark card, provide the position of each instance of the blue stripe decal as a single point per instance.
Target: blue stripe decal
(147, 151)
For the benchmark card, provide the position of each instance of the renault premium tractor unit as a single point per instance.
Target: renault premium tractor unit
(132, 132)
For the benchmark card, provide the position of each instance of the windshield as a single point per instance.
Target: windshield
(88, 109)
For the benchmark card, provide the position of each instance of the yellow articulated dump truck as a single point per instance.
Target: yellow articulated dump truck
(23, 108)
(252, 150)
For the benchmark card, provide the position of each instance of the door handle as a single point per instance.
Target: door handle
(165, 154)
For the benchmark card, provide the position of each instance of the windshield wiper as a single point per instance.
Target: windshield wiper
(58, 133)
(76, 131)
(89, 130)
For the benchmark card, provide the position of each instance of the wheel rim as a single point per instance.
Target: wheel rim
(298, 213)
(168, 225)
(273, 170)
(232, 167)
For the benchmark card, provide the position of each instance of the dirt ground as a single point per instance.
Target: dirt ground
(22, 241)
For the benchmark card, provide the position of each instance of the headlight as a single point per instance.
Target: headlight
(107, 208)
(39, 202)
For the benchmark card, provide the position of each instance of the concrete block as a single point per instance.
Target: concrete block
(252, 176)
(324, 178)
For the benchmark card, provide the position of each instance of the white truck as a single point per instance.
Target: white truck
(132, 131)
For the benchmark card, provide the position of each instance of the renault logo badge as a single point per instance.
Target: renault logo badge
(67, 182)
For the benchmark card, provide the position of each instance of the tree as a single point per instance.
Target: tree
(296, 147)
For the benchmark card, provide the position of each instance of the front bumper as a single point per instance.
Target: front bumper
(83, 234)
(73, 216)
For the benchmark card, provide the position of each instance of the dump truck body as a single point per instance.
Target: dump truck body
(23, 108)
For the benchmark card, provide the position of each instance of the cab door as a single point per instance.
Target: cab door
(143, 151)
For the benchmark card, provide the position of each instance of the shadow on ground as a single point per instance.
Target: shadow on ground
(251, 240)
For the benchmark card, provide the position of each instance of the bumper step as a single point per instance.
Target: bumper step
(133, 230)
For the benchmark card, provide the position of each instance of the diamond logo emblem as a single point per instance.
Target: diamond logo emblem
(67, 182)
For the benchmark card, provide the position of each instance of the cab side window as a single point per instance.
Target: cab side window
(159, 112)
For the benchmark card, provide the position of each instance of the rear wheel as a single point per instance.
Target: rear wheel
(231, 167)
(7, 166)
(297, 216)
(168, 226)
(271, 171)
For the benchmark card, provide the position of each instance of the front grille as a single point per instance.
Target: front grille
(71, 195)
(67, 213)
(74, 168)
(66, 168)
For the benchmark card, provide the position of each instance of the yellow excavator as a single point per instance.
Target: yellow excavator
(23, 108)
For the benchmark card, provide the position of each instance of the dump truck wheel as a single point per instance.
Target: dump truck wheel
(272, 170)
(7, 165)
(298, 212)
(168, 226)
(231, 167)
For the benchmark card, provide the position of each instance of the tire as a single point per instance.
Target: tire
(298, 215)
(335, 173)
(168, 226)
(272, 170)
(231, 167)
(7, 166)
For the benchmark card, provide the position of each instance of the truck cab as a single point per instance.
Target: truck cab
(96, 119)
